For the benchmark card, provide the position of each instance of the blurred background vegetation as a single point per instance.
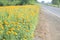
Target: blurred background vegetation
(17, 2)
(56, 2)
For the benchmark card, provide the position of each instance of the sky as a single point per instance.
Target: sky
(44, 0)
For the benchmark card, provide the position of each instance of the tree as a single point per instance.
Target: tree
(43, 2)
(56, 2)
(17, 2)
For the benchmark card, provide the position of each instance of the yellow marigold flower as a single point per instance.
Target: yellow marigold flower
(8, 25)
(2, 27)
(12, 22)
(15, 33)
(27, 17)
(1, 22)
(8, 32)
(19, 26)
(18, 16)
(6, 22)
(12, 29)
(33, 14)
(0, 32)
(16, 23)
(27, 30)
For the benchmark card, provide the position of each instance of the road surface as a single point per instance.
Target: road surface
(56, 11)
(52, 16)
(48, 27)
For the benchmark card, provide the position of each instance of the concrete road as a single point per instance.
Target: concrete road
(52, 17)
(56, 11)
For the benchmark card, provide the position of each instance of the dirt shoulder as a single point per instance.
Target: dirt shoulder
(42, 30)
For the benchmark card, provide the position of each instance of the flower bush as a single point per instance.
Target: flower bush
(18, 22)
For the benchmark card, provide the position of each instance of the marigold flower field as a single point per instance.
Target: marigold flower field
(18, 22)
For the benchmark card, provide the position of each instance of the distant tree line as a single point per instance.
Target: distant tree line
(56, 2)
(17, 2)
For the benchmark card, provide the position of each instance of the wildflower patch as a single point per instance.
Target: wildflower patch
(18, 22)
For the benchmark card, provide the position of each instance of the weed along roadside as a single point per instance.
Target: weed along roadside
(18, 22)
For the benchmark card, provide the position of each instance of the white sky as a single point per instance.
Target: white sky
(44, 0)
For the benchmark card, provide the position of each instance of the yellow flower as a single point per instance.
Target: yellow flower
(1, 22)
(18, 16)
(2, 27)
(8, 32)
(19, 26)
(12, 29)
(27, 30)
(8, 25)
(16, 23)
(33, 14)
(6, 22)
(0, 32)
(27, 17)
(12, 22)
(15, 33)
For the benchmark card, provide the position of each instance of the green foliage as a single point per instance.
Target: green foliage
(10, 2)
(1, 4)
(56, 2)
(17, 2)
(59, 1)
